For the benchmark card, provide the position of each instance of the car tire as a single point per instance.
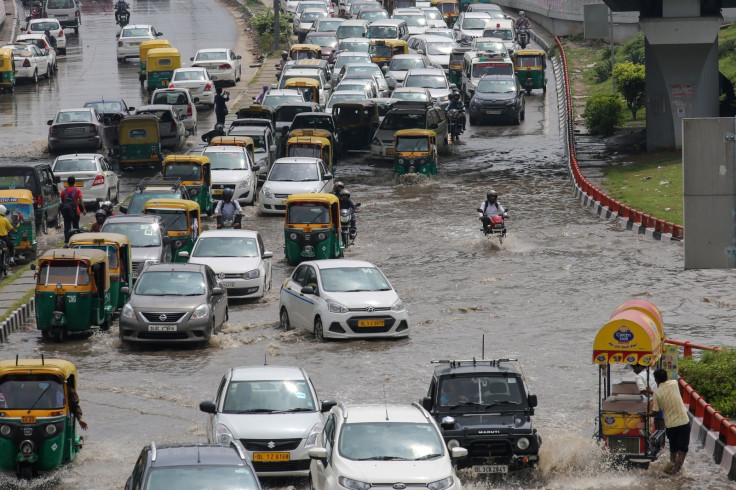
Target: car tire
(240, 76)
(227, 315)
(523, 113)
(117, 194)
(35, 77)
(47, 75)
(62, 51)
(45, 223)
(517, 118)
(284, 319)
(473, 121)
(319, 331)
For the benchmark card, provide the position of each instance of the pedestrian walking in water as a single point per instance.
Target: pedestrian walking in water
(72, 205)
(667, 398)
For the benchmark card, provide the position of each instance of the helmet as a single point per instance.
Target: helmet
(522, 13)
(456, 95)
(3, 210)
(106, 205)
(492, 196)
(344, 194)
(100, 213)
(284, 54)
(339, 185)
(227, 195)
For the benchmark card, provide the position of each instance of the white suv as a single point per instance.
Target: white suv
(382, 446)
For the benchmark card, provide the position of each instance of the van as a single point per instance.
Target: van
(40, 180)
(67, 12)
(352, 28)
(388, 29)
(476, 65)
(503, 29)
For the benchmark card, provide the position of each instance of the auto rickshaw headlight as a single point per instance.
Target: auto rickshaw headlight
(321, 236)
(292, 236)
(522, 443)
(401, 161)
(254, 274)
(51, 429)
(422, 161)
(194, 192)
(5, 430)
(26, 448)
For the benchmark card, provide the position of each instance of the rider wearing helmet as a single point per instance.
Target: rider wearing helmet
(522, 21)
(456, 103)
(339, 186)
(107, 206)
(490, 207)
(228, 207)
(347, 203)
(6, 227)
(100, 217)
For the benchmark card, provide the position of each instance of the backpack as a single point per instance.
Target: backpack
(68, 206)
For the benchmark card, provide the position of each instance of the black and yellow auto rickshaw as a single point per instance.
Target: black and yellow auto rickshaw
(382, 51)
(72, 292)
(309, 87)
(7, 70)
(416, 152)
(300, 51)
(194, 172)
(117, 247)
(38, 415)
(182, 220)
(310, 146)
(530, 66)
(312, 227)
(357, 122)
(160, 67)
(450, 10)
(256, 112)
(143, 50)
(19, 203)
(139, 140)
(455, 67)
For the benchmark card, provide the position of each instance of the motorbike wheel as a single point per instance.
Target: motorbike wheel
(105, 325)
(528, 91)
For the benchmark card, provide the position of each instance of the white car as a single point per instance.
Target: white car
(197, 81)
(434, 17)
(276, 97)
(382, 447)
(339, 298)
(93, 173)
(436, 48)
(221, 64)
(30, 62)
(130, 39)
(182, 101)
(400, 64)
(433, 79)
(303, 22)
(238, 257)
(415, 20)
(292, 175)
(38, 26)
(232, 167)
(43, 43)
(274, 411)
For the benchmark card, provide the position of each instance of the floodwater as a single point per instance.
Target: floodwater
(540, 297)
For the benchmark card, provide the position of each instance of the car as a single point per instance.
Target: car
(354, 44)
(30, 62)
(470, 25)
(434, 17)
(473, 401)
(174, 303)
(356, 85)
(505, 30)
(433, 79)
(182, 101)
(412, 95)
(111, 108)
(325, 40)
(289, 6)
(345, 96)
(497, 97)
(43, 43)
(489, 45)
(384, 105)
(440, 31)
(39, 26)
(415, 116)
(303, 21)
(232, 167)
(382, 446)
(400, 64)
(93, 173)
(319, 120)
(436, 48)
(352, 28)
(75, 129)
(388, 29)
(130, 38)
(170, 125)
(274, 411)
(264, 145)
(149, 240)
(151, 188)
(292, 175)
(414, 18)
(327, 24)
(193, 466)
(67, 12)
(317, 74)
(222, 64)
(357, 6)
(37, 177)
(284, 116)
(342, 59)
(276, 97)
(340, 299)
(238, 258)
(485, 7)
(372, 14)
(368, 69)
(197, 80)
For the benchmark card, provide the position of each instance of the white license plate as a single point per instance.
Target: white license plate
(228, 284)
(490, 468)
(162, 328)
(493, 112)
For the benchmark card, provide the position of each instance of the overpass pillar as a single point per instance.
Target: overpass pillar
(681, 75)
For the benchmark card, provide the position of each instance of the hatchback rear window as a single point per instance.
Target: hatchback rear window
(75, 165)
(43, 26)
(170, 98)
(60, 4)
(135, 32)
(189, 75)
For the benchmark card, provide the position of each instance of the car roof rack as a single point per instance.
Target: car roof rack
(474, 361)
(171, 182)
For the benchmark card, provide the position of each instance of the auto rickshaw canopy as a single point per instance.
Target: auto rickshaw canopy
(530, 58)
(256, 111)
(146, 46)
(298, 51)
(385, 49)
(329, 200)
(355, 112)
(120, 241)
(200, 161)
(163, 59)
(12, 196)
(89, 257)
(184, 206)
(6, 59)
(139, 129)
(309, 86)
(321, 145)
(60, 367)
(242, 141)
(630, 337)
(446, 6)
(427, 133)
(322, 133)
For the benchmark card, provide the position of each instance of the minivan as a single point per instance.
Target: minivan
(67, 12)
(40, 180)
(352, 28)
(388, 29)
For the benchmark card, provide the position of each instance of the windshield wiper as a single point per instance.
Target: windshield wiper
(259, 410)
(503, 402)
(428, 456)
(39, 398)
(384, 458)
(301, 409)
(461, 404)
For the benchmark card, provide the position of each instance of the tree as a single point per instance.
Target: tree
(630, 83)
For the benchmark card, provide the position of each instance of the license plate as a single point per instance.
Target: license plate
(268, 457)
(390, 152)
(493, 112)
(283, 201)
(228, 284)
(217, 192)
(490, 468)
(162, 328)
(370, 323)
(134, 44)
(78, 183)
(74, 131)
(28, 419)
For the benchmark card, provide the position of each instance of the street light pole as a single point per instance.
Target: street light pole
(276, 26)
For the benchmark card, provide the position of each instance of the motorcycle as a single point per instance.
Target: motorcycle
(524, 36)
(218, 131)
(456, 121)
(229, 220)
(122, 15)
(494, 225)
(347, 230)
(36, 11)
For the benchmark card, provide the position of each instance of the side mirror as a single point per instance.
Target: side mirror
(458, 452)
(195, 100)
(453, 86)
(532, 401)
(262, 178)
(357, 204)
(307, 290)
(427, 403)
(124, 209)
(124, 290)
(131, 109)
(318, 453)
(238, 57)
(208, 406)
(218, 291)
(434, 126)
(267, 255)
(256, 168)
(50, 122)
(272, 148)
(158, 34)
(191, 59)
(327, 176)
(479, 210)
(420, 51)
(33, 267)
(327, 405)
(183, 254)
(57, 180)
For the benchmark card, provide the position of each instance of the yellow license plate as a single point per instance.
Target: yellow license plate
(268, 457)
(28, 419)
(370, 323)
(76, 184)
(390, 152)
(217, 192)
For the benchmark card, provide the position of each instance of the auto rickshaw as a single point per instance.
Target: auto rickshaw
(382, 51)
(416, 152)
(312, 227)
(242, 141)
(160, 67)
(357, 122)
(318, 133)
(450, 10)
(531, 66)
(255, 111)
(38, 422)
(194, 172)
(309, 88)
(72, 292)
(139, 140)
(181, 217)
(19, 203)
(143, 50)
(299, 51)
(455, 66)
(7, 70)
(310, 146)
(117, 247)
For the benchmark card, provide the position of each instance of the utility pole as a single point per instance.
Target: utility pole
(613, 82)
(276, 26)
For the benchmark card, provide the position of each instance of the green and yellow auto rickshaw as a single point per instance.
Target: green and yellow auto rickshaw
(72, 292)
(181, 217)
(119, 260)
(416, 152)
(143, 50)
(325, 151)
(450, 10)
(194, 172)
(160, 67)
(530, 66)
(455, 67)
(382, 51)
(310, 146)
(7, 70)
(256, 112)
(38, 421)
(357, 122)
(19, 203)
(301, 51)
(139, 140)
(309, 87)
(312, 227)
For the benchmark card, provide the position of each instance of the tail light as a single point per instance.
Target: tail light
(92, 129)
(226, 66)
(208, 86)
(28, 31)
(26, 63)
(120, 44)
(99, 180)
(76, 14)
(53, 130)
(171, 85)
(189, 110)
(154, 150)
(61, 32)
(38, 201)
(173, 127)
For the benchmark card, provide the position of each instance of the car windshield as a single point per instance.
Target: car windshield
(308, 213)
(496, 86)
(294, 172)
(402, 120)
(134, 32)
(239, 477)
(323, 41)
(188, 75)
(31, 391)
(380, 50)
(504, 34)
(64, 272)
(74, 116)
(139, 234)
(164, 115)
(45, 26)
(351, 86)
(304, 6)
(139, 200)
(367, 71)
(426, 81)
(350, 31)
(75, 165)
(491, 46)
(184, 171)
(226, 246)
(106, 106)
(490, 68)
(288, 112)
(354, 46)
(174, 219)
(374, 15)
(382, 32)
(313, 122)
(440, 48)
(413, 20)
(170, 283)
(444, 33)
(227, 160)
(311, 16)
(402, 441)
(343, 60)
(269, 396)
(211, 56)
(409, 143)
(353, 279)
(475, 23)
(403, 64)
(39, 43)
(432, 14)
(329, 26)
(275, 100)
(480, 390)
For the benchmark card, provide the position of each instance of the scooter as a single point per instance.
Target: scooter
(346, 230)
(229, 220)
(523, 35)
(456, 119)
(494, 225)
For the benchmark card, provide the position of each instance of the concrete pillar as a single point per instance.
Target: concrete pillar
(681, 75)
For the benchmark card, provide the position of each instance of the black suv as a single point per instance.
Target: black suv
(497, 97)
(154, 189)
(484, 407)
(193, 466)
(38, 178)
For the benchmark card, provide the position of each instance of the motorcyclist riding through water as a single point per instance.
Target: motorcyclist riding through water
(522, 21)
(120, 7)
(457, 104)
(491, 207)
(347, 203)
(229, 208)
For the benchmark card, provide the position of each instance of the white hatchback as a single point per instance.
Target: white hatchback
(339, 298)
(221, 63)
(292, 175)
(130, 39)
(93, 173)
(197, 81)
(232, 168)
(38, 26)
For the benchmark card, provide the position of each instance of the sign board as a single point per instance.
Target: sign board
(669, 359)
(595, 21)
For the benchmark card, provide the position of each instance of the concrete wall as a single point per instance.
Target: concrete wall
(2, 12)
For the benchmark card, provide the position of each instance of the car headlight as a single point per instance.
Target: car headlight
(336, 307)
(312, 437)
(441, 484)
(444, 98)
(254, 274)
(522, 443)
(201, 311)
(398, 306)
(376, 142)
(267, 193)
(51, 429)
(128, 311)
(353, 484)
(244, 183)
(223, 436)
(474, 103)
(150, 262)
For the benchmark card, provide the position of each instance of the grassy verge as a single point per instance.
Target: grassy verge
(712, 377)
(25, 299)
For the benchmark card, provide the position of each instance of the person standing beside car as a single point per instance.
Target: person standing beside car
(220, 107)
(72, 205)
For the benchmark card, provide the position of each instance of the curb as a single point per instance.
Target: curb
(17, 319)
(16, 22)
(723, 454)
